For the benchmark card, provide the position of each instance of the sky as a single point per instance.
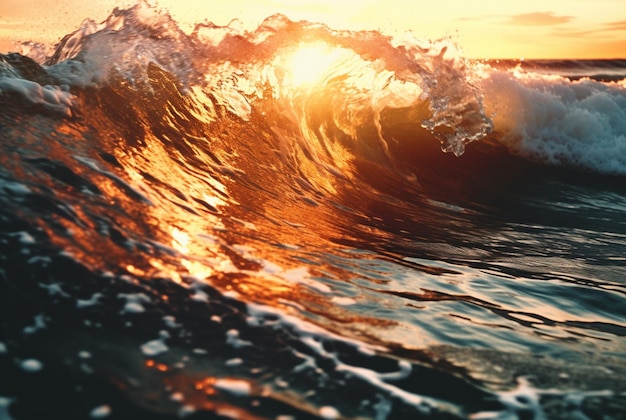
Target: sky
(482, 28)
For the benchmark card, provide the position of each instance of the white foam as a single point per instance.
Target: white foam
(177, 396)
(83, 303)
(232, 338)
(559, 122)
(154, 347)
(26, 238)
(343, 301)
(525, 398)
(134, 302)
(170, 321)
(3, 348)
(133, 307)
(200, 296)
(328, 412)
(31, 365)
(313, 337)
(234, 386)
(101, 412)
(51, 98)
(84, 354)
(234, 362)
(81, 73)
(403, 373)
(54, 289)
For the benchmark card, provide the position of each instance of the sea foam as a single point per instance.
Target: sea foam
(52, 98)
(553, 120)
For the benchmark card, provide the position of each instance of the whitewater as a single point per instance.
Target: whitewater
(298, 222)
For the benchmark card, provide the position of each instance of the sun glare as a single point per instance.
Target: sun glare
(311, 63)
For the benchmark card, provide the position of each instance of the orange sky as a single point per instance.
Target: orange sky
(483, 28)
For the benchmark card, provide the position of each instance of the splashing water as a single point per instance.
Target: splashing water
(262, 224)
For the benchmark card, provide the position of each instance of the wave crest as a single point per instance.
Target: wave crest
(372, 71)
(332, 91)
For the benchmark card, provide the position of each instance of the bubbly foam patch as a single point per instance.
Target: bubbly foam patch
(31, 365)
(553, 120)
(313, 337)
(51, 98)
(154, 347)
(526, 399)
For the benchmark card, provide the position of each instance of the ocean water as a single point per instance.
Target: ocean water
(297, 223)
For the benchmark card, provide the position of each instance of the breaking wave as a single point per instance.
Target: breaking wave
(264, 223)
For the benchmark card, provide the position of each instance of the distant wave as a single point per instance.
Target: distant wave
(553, 120)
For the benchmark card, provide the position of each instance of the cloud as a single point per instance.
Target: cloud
(605, 31)
(616, 26)
(570, 33)
(538, 19)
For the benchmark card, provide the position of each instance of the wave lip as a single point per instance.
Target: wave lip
(403, 72)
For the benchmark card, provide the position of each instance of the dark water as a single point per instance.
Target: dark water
(264, 225)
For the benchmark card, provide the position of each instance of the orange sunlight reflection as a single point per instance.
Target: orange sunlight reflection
(176, 209)
(181, 242)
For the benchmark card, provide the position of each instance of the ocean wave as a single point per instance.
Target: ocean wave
(339, 86)
(264, 223)
(370, 71)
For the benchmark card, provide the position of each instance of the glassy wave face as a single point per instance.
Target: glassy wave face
(266, 224)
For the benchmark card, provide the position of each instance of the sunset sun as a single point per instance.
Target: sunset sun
(311, 62)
